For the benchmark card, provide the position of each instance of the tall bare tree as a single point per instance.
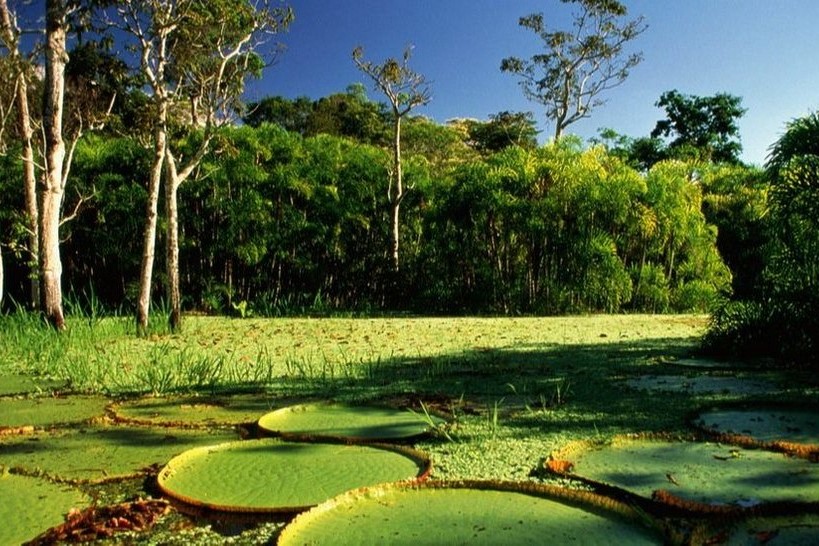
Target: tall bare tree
(199, 53)
(580, 64)
(10, 37)
(405, 89)
(55, 174)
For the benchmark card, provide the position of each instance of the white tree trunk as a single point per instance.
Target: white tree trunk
(149, 233)
(51, 193)
(398, 196)
(172, 242)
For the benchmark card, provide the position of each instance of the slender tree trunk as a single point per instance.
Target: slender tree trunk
(51, 193)
(30, 186)
(172, 242)
(1, 274)
(149, 232)
(398, 196)
(26, 133)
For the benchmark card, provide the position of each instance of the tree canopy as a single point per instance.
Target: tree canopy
(578, 65)
(704, 127)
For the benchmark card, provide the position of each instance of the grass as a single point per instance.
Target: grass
(514, 389)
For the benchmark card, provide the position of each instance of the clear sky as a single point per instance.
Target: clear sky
(764, 51)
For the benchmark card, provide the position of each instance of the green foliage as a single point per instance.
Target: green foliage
(501, 130)
(780, 319)
(295, 225)
(651, 290)
(736, 202)
(801, 138)
(701, 127)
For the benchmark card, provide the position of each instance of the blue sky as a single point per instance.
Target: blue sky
(761, 50)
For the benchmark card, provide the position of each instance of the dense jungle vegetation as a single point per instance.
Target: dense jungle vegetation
(293, 209)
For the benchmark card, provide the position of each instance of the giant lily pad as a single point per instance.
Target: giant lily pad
(764, 424)
(701, 472)
(268, 475)
(344, 421)
(32, 505)
(701, 384)
(48, 411)
(193, 411)
(707, 363)
(100, 454)
(472, 513)
(21, 384)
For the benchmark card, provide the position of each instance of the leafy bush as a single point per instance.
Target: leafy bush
(694, 296)
(739, 328)
(651, 290)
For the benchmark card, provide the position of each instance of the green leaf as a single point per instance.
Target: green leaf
(193, 410)
(348, 422)
(32, 505)
(473, 513)
(270, 476)
(101, 454)
(21, 384)
(764, 424)
(45, 412)
(701, 472)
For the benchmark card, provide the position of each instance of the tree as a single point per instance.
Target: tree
(501, 130)
(705, 127)
(801, 138)
(20, 73)
(781, 319)
(56, 172)
(200, 54)
(349, 114)
(578, 65)
(292, 115)
(405, 89)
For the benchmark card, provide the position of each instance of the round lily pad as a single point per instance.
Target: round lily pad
(48, 411)
(193, 411)
(269, 475)
(346, 421)
(764, 424)
(458, 514)
(702, 472)
(701, 384)
(32, 505)
(99, 454)
(707, 363)
(22, 384)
